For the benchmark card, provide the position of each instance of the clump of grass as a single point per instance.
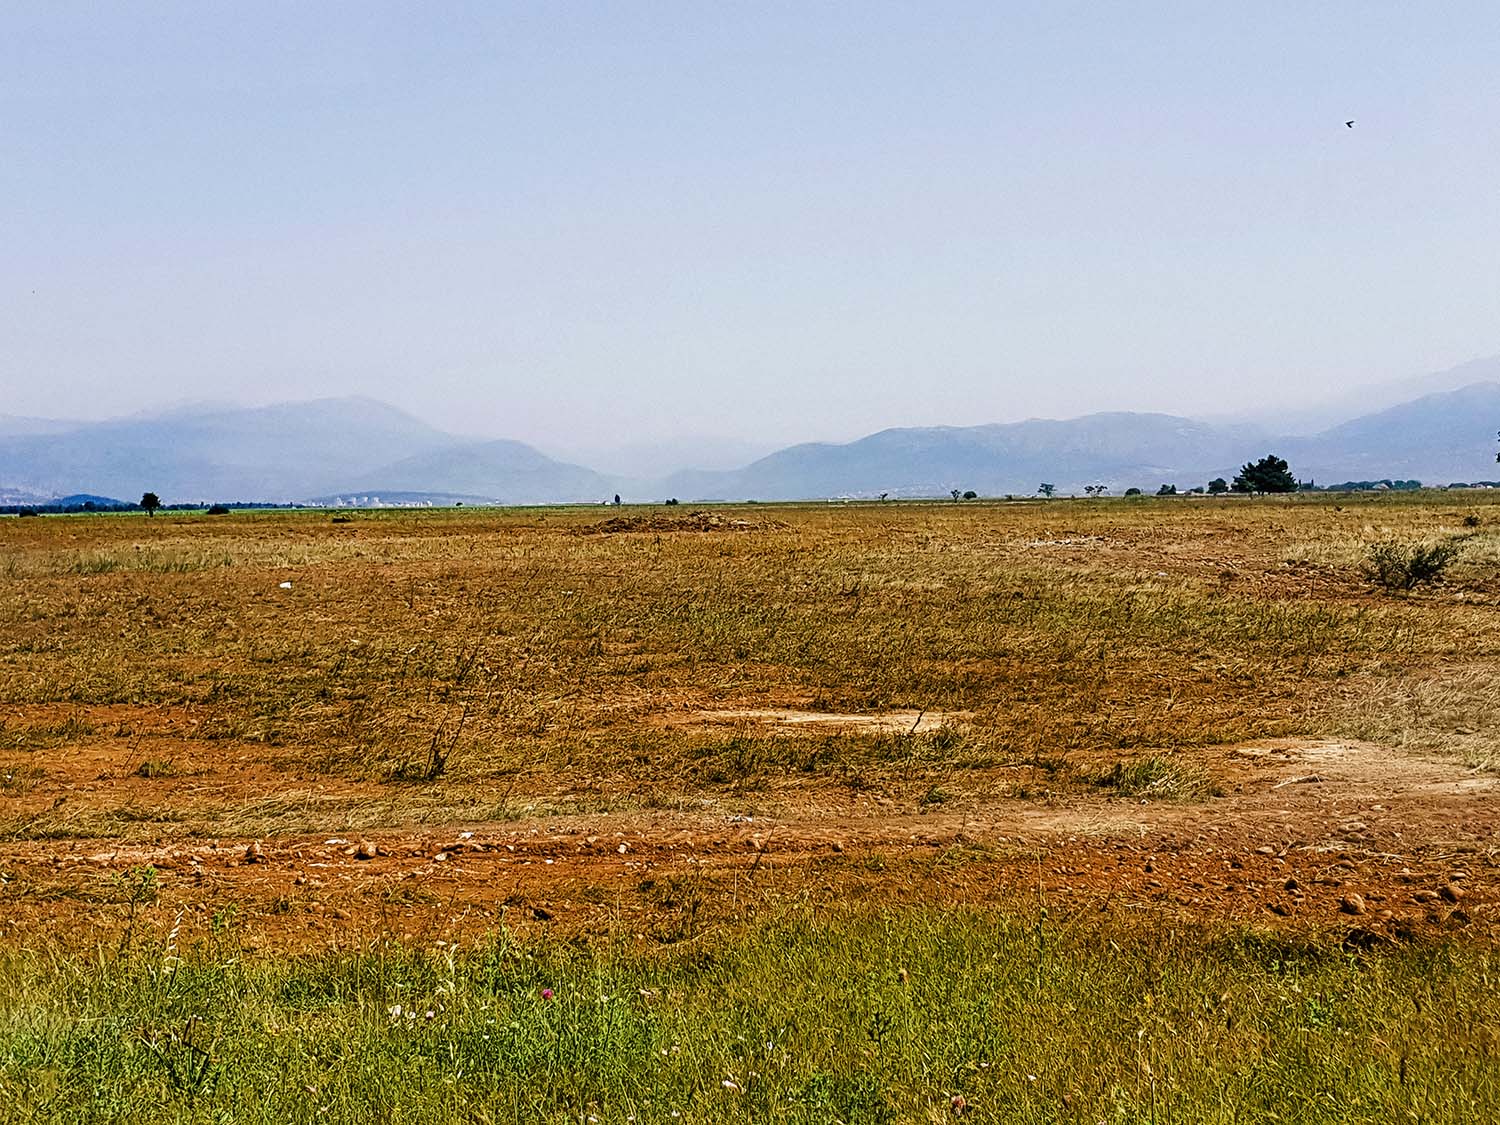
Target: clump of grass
(1158, 777)
(16, 781)
(154, 768)
(1399, 567)
(45, 735)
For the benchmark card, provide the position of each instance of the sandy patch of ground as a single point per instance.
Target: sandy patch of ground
(884, 722)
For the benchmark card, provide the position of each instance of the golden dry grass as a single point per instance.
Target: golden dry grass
(445, 664)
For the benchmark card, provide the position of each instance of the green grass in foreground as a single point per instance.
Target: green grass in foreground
(864, 1018)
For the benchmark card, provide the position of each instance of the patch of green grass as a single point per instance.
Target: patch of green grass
(856, 1018)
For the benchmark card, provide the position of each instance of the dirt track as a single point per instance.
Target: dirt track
(1324, 834)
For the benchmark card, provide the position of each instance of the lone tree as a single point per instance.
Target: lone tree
(1167, 490)
(150, 501)
(1218, 486)
(1269, 474)
(1046, 489)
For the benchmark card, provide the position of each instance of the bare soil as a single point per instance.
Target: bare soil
(1307, 834)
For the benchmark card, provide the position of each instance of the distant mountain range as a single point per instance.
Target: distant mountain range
(353, 450)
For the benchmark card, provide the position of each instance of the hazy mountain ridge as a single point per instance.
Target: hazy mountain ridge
(359, 447)
(14, 425)
(506, 471)
(282, 452)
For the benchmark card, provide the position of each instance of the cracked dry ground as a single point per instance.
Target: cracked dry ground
(1324, 835)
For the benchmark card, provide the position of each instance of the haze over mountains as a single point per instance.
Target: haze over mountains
(356, 449)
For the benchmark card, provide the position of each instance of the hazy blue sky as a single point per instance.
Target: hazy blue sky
(579, 224)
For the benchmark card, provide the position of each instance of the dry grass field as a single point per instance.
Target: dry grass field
(653, 735)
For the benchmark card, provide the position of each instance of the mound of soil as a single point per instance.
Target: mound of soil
(693, 521)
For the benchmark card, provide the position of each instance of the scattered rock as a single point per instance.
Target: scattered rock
(255, 853)
(1451, 893)
(1352, 904)
(1265, 849)
(365, 850)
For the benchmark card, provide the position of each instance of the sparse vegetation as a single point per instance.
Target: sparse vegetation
(1400, 567)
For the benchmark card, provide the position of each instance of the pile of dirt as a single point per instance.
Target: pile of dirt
(693, 521)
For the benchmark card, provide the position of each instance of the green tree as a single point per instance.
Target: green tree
(1269, 474)
(1167, 490)
(1218, 486)
(150, 501)
(1046, 489)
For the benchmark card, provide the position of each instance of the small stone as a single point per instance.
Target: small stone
(836, 846)
(255, 853)
(1424, 896)
(1265, 849)
(1279, 908)
(364, 850)
(1291, 884)
(441, 857)
(1352, 904)
(1451, 893)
